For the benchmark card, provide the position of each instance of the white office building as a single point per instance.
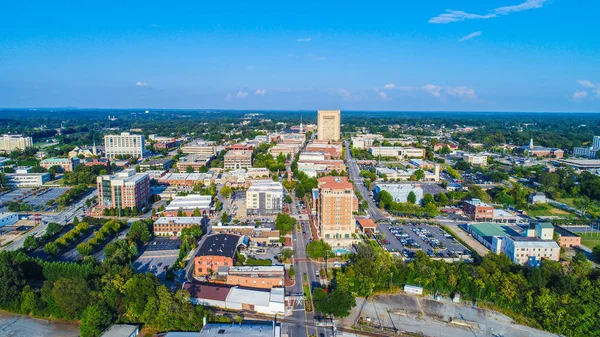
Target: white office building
(400, 192)
(590, 152)
(124, 144)
(27, 179)
(8, 219)
(10, 143)
(264, 197)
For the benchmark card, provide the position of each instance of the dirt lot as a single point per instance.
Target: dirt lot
(435, 318)
(25, 326)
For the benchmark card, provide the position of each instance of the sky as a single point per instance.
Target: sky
(435, 55)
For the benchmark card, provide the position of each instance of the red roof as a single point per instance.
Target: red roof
(335, 183)
(207, 291)
(367, 223)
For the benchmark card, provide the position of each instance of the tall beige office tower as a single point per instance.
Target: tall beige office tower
(328, 127)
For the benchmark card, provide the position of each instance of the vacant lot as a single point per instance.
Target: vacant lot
(25, 326)
(550, 211)
(590, 240)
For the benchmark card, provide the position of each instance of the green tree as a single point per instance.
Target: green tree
(596, 252)
(287, 253)
(95, 319)
(419, 175)
(71, 296)
(441, 198)
(225, 218)
(287, 199)
(189, 169)
(412, 198)
(337, 303)
(197, 213)
(292, 272)
(51, 248)
(428, 199)
(226, 191)
(284, 223)
(318, 249)
(28, 300)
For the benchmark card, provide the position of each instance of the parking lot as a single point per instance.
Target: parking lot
(412, 236)
(157, 256)
(37, 199)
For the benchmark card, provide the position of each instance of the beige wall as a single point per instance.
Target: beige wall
(328, 125)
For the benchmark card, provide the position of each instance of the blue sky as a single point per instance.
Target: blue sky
(492, 55)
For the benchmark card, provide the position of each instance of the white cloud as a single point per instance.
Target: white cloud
(439, 91)
(462, 92)
(382, 94)
(579, 95)
(470, 36)
(241, 94)
(228, 98)
(433, 90)
(141, 84)
(586, 84)
(260, 92)
(305, 39)
(344, 93)
(389, 86)
(528, 4)
(454, 16)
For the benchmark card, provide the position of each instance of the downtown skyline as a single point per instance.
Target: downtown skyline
(501, 55)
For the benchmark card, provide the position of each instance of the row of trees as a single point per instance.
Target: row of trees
(126, 212)
(107, 230)
(53, 248)
(84, 175)
(71, 195)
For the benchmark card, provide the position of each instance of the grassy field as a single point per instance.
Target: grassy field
(566, 201)
(551, 211)
(590, 240)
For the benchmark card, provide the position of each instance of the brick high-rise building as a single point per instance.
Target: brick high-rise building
(336, 203)
(124, 189)
(328, 125)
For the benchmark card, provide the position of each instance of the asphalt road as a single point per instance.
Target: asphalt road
(63, 217)
(359, 185)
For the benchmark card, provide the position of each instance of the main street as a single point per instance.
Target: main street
(303, 267)
(359, 185)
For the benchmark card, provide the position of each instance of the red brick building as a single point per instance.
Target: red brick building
(478, 210)
(217, 250)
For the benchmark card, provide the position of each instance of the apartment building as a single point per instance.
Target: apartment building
(336, 203)
(264, 197)
(397, 152)
(475, 159)
(124, 189)
(125, 144)
(200, 147)
(328, 127)
(10, 143)
(67, 164)
(238, 159)
(478, 210)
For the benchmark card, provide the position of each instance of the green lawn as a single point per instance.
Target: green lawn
(590, 240)
(566, 201)
(550, 211)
